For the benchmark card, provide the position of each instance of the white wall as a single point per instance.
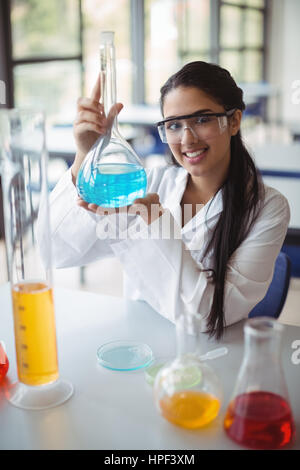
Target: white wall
(283, 57)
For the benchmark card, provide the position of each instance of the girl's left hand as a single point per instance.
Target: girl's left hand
(148, 207)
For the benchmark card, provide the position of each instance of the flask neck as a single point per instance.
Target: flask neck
(263, 350)
(108, 79)
(263, 340)
(187, 335)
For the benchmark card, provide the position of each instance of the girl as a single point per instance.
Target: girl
(222, 263)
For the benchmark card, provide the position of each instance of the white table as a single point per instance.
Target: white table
(115, 410)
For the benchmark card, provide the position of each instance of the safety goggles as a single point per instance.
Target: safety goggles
(202, 125)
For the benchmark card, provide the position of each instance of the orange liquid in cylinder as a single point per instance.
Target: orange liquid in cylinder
(35, 333)
(190, 409)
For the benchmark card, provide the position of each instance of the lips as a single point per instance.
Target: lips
(196, 156)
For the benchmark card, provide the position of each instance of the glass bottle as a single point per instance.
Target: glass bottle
(259, 415)
(112, 174)
(187, 391)
(23, 164)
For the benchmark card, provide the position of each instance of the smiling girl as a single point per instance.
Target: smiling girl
(222, 264)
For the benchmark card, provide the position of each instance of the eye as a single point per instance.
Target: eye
(173, 125)
(204, 119)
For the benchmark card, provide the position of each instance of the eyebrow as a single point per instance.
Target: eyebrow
(192, 114)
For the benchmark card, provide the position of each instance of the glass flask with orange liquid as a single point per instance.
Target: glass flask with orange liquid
(259, 415)
(25, 198)
(187, 391)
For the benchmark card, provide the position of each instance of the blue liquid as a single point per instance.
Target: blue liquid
(112, 184)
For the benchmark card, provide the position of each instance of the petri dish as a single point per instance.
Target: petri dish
(124, 355)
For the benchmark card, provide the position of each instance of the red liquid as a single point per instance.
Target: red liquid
(260, 420)
(4, 364)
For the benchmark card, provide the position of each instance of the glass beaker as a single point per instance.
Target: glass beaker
(187, 391)
(23, 167)
(259, 415)
(111, 174)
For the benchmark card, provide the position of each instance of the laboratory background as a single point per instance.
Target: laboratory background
(49, 56)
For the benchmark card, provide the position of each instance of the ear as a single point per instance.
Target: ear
(235, 122)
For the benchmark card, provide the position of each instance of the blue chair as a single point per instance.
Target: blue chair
(272, 304)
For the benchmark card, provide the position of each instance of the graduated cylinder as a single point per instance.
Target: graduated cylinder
(24, 180)
(23, 165)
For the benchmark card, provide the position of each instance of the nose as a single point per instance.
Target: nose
(189, 136)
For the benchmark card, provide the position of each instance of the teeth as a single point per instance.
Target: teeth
(195, 154)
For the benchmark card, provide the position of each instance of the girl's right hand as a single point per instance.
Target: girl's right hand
(90, 123)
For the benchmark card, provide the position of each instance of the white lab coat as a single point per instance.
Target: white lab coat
(168, 273)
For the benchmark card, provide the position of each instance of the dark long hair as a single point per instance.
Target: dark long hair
(242, 191)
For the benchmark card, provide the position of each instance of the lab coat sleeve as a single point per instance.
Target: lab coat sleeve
(172, 282)
(73, 229)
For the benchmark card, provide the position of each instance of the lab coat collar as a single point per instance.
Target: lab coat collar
(212, 208)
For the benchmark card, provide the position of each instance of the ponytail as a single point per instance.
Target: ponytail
(242, 193)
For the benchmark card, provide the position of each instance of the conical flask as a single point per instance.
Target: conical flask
(23, 164)
(259, 415)
(112, 174)
(187, 391)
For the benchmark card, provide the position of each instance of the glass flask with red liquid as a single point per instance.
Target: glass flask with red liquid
(259, 415)
(187, 391)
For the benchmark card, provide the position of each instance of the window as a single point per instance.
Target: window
(176, 32)
(242, 39)
(55, 56)
(230, 33)
(46, 56)
(55, 52)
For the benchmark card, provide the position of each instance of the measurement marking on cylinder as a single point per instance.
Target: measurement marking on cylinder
(22, 327)
(24, 346)
(25, 365)
(21, 307)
